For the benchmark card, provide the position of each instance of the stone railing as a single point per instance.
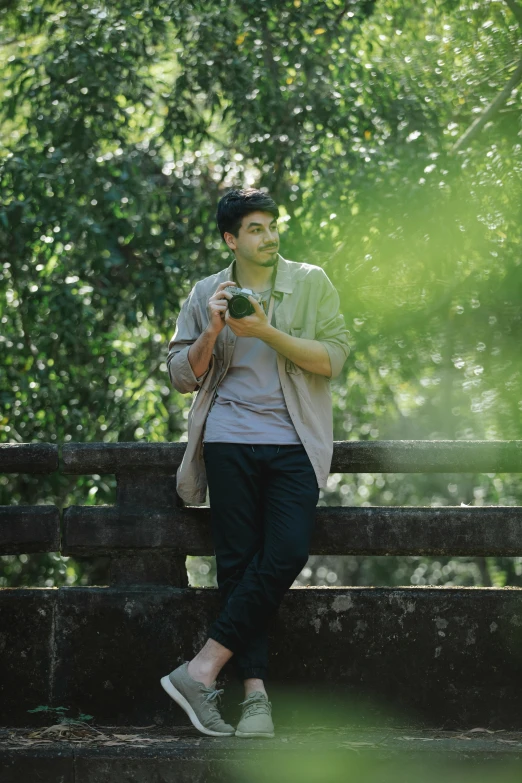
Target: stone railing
(439, 655)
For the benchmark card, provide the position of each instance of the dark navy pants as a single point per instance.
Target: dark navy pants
(263, 503)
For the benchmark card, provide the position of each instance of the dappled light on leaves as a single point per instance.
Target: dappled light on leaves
(121, 127)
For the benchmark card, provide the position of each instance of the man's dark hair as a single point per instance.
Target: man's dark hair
(235, 204)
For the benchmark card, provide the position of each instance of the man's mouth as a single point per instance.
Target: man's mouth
(268, 249)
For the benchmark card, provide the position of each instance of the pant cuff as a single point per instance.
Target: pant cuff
(221, 638)
(246, 674)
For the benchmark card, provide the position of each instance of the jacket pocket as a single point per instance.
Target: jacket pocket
(305, 330)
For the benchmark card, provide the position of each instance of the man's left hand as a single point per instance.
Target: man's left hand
(254, 325)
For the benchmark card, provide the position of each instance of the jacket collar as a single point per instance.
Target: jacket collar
(283, 282)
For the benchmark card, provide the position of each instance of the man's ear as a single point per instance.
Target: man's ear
(230, 240)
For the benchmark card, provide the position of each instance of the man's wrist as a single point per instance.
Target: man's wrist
(211, 331)
(269, 334)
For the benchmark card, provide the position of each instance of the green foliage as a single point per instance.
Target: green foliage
(121, 126)
(58, 712)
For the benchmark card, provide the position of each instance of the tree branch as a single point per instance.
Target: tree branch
(490, 111)
(516, 10)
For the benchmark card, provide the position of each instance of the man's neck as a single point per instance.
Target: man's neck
(257, 278)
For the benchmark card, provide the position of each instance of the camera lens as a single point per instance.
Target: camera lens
(239, 306)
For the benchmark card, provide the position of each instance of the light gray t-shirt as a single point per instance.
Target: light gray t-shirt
(250, 406)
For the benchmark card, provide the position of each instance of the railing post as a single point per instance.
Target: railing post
(138, 490)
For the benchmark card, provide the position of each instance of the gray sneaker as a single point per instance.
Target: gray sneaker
(256, 717)
(198, 700)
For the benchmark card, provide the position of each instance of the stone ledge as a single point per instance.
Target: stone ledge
(391, 456)
(28, 457)
(182, 755)
(390, 530)
(28, 529)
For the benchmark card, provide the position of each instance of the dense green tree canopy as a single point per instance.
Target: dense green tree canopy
(389, 133)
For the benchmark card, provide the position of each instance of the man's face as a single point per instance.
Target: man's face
(257, 241)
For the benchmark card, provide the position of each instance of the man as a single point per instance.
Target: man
(260, 437)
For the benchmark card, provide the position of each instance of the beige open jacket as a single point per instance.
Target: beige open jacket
(309, 308)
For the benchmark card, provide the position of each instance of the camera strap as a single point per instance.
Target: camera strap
(270, 309)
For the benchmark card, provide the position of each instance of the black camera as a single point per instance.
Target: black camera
(239, 305)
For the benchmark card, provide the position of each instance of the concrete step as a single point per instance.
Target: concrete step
(179, 754)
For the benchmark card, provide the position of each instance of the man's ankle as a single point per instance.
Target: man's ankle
(254, 684)
(201, 674)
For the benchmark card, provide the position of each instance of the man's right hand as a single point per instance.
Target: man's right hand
(217, 305)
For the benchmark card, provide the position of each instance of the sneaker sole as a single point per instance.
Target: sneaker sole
(186, 706)
(253, 734)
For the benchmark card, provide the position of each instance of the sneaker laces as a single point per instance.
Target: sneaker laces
(255, 706)
(212, 694)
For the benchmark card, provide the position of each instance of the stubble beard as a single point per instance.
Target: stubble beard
(253, 259)
(271, 261)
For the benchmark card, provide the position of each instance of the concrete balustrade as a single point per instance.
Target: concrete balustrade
(445, 656)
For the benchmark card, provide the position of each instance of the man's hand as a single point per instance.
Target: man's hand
(200, 351)
(255, 325)
(310, 355)
(217, 305)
